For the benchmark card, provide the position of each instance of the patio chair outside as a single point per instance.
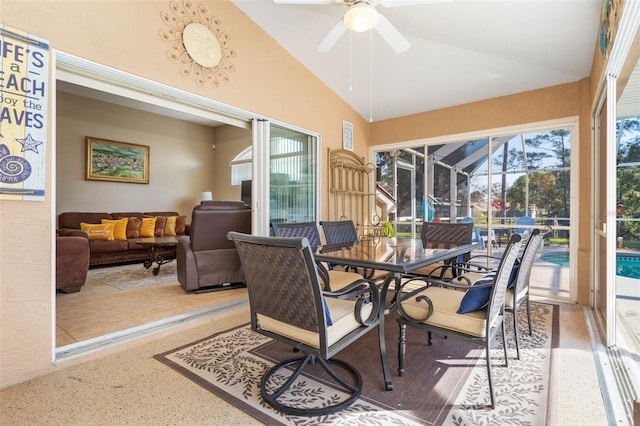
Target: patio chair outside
(476, 237)
(525, 223)
(287, 304)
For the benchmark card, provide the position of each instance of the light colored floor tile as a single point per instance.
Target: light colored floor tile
(100, 309)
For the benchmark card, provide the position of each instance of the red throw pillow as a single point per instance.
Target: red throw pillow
(161, 221)
(181, 224)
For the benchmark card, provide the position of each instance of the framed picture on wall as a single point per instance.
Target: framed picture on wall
(347, 135)
(116, 161)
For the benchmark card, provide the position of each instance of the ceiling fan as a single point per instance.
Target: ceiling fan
(361, 16)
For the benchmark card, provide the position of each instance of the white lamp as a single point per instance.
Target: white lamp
(361, 17)
(206, 196)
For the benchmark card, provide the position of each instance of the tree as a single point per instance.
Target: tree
(628, 176)
(556, 141)
(543, 191)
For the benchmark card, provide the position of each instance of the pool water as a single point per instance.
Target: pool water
(626, 266)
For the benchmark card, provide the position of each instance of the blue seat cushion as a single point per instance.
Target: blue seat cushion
(477, 298)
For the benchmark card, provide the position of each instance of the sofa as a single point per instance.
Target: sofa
(206, 259)
(112, 236)
(72, 263)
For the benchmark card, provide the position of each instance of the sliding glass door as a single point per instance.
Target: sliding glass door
(285, 174)
(293, 176)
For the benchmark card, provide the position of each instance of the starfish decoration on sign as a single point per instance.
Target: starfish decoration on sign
(29, 144)
(198, 43)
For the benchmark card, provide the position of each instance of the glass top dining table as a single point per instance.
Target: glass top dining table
(397, 256)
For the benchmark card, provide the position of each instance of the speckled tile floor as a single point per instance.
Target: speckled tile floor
(124, 385)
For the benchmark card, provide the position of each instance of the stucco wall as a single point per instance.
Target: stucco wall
(230, 141)
(126, 36)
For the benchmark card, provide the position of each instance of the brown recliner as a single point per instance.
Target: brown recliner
(72, 263)
(206, 259)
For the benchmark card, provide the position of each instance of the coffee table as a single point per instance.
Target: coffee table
(160, 251)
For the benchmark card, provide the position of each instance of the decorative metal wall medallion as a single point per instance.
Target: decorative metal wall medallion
(609, 20)
(198, 43)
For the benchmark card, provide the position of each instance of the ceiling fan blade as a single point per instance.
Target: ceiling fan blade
(322, 2)
(334, 35)
(391, 35)
(394, 3)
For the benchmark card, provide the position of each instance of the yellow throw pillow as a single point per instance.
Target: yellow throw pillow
(170, 226)
(148, 227)
(120, 230)
(98, 231)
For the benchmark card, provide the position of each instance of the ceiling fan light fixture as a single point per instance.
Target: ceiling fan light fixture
(361, 17)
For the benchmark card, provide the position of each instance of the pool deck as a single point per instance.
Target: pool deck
(552, 280)
(628, 309)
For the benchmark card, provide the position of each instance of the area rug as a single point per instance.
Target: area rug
(128, 277)
(444, 384)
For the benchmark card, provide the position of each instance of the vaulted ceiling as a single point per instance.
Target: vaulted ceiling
(461, 50)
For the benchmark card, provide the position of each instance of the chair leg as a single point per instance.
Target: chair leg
(529, 316)
(504, 343)
(402, 346)
(354, 391)
(514, 313)
(488, 355)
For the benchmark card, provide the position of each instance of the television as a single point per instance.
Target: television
(245, 192)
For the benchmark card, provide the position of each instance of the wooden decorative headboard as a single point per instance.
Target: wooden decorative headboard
(350, 183)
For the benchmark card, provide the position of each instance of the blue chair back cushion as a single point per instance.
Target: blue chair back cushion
(327, 314)
(477, 298)
(514, 274)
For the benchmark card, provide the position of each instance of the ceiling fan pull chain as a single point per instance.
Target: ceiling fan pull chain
(371, 78)
(350, 62)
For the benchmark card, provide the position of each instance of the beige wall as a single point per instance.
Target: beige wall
(180, 156)
(230, 141)
(126, 36)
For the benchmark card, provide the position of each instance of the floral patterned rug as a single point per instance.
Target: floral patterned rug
(444, 384)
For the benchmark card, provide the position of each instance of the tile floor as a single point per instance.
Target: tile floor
(100, 309)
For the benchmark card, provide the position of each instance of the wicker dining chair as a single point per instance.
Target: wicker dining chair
(333, 279)
(339, 231)
(444, 235)
(287, 304)
(345, 232)
(442, 307)
(517, 288)
(519, 293)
